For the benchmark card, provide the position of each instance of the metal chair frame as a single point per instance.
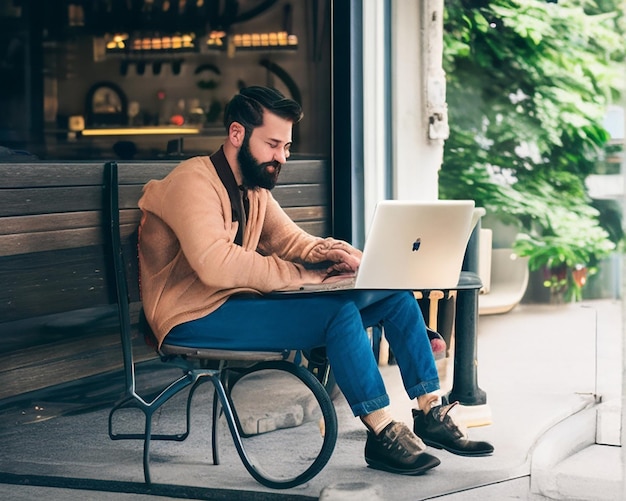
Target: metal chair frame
(193, 363)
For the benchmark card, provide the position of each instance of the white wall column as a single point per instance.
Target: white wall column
(419, 113)
(375, 107)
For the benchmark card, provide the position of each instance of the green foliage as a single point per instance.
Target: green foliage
(528, 87)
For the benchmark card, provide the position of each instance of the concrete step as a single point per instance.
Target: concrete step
(592, 474)
(568, 464)
(609, 422)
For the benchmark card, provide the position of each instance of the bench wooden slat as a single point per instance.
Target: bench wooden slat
(300, 195)
(51, 174)
(49, 222)
(310, 213)
(28, 201)
(41, 241)
(46, 353)
(142, 172)
(129, 195)
(52, 282)
(304, 172)
(317, 228)
(65, 362)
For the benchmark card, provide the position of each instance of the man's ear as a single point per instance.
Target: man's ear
(236, 133)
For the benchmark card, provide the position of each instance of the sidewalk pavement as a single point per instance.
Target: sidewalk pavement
(536, 363)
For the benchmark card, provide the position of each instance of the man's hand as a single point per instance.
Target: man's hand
(343, 258)
(324, 275)
(315, 276)
(343, 261)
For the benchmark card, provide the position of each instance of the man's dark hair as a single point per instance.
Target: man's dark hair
(247, 107)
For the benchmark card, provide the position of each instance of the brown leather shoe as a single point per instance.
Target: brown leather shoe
(397, 450)
(438, 430)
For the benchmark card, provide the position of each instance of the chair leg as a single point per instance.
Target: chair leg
(218, 410)
(192, 392)
(214, 428)
(146, 447)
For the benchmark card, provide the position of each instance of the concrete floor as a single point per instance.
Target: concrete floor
(539, 365)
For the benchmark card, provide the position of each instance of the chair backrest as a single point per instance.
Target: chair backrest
(124, 262)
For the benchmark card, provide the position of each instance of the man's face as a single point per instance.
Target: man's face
(254, 173)
(264, 151)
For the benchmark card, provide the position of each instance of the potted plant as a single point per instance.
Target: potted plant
(566, 254)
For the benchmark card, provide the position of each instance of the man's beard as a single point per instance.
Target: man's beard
(254, 174)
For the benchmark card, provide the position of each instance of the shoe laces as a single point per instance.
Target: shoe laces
(398, 438)
(441, 414)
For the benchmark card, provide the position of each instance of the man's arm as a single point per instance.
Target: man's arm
(200, 216)
(283, 237)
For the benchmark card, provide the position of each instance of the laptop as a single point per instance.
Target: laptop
(411, 245)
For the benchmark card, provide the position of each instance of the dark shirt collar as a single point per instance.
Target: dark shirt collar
(225, 173)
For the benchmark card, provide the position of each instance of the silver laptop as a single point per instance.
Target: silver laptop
(411, 245)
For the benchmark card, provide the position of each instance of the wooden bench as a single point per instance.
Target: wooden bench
(57, 319)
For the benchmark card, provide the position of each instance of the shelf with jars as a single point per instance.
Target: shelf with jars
(280, 40)
(125, 45)
(122, 44)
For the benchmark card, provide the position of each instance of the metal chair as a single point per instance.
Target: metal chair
(220, 367)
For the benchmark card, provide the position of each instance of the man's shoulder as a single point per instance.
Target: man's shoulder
(195, 171)
(200, 167)
(198, 162)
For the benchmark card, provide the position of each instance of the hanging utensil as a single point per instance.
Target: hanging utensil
(119, 16)
(136, 20)
(288, 18)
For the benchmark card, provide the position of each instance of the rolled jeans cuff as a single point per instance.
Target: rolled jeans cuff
(423, 388)
(364, 408)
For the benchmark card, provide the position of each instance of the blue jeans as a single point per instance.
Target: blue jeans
(335, 320)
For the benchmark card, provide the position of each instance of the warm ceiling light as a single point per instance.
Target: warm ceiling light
(143, 131)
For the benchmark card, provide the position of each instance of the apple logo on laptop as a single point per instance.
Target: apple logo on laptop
(416, 244)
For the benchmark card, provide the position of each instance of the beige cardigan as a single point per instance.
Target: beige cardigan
(189, 262)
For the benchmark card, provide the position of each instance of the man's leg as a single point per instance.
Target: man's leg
(302, 322)
(406, 332)
(331, 320)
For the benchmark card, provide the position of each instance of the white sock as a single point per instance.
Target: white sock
(377, 420)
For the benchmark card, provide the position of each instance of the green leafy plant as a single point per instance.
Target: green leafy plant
(528, 87)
